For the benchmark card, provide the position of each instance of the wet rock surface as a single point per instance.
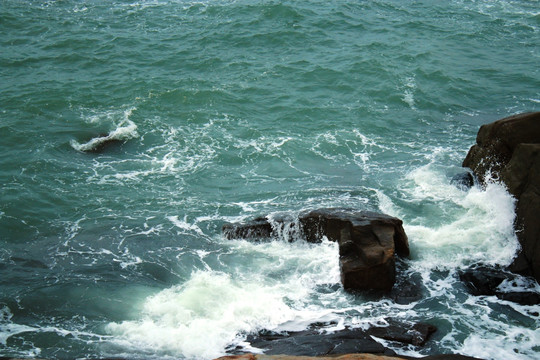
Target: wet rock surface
(485, 280)
(343, 357)
(315, 342)
(463, 181)
(509, 150)
(368, 241)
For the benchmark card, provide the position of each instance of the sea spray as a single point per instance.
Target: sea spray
(212, 310)
(474, 225)
(201, 317)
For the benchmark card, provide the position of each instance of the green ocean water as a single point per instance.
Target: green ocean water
(227, 110)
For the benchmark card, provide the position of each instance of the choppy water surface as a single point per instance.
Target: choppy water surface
(226, 110)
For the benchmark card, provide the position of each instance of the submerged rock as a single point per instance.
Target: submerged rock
(463, 181)
(509, 150)
(408, 287)
(483, 280)
(99, 144)
(368, 241)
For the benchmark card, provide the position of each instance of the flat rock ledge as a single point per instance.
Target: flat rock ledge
(317, 342)
(509, 150)
(342, 357)
(368, 241)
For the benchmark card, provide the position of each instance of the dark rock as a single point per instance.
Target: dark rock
(484, 280)
(101, 143)
(522, 176)
(509, 149)
(495, 143)
(416, 334)
(258, 228)
(368, 242)
(332, 221)
(463, 181)
(408, 287)
(520, 297)
(313, 343)
(249, 356)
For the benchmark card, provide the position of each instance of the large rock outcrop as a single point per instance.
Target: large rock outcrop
(509, 150)
(368, 242)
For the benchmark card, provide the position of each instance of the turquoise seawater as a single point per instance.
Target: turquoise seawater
(227, 110)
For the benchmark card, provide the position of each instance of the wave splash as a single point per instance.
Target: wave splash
(125, 130)
(286, 286)
(201, 317)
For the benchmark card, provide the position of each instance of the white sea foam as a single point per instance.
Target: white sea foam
(408, 88)
(204, 315)
(201, 317)
(276, 285)
(184, 225)
(481, 231)
(125, 129)
(494, 335)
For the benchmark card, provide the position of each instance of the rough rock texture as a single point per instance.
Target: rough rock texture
(289, 357)
(485, 280)
(343, 357)
(495, 143)
(522, 176)
(255, 229)
(415, 334)
(368, 242)
(315, 342)
(510, 149)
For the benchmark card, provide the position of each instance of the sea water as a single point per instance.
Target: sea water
(220, 111)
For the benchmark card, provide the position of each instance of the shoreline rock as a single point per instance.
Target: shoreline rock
(317, 342)
(250, 356)
(487, 280)
(509, 150)
(368, 241)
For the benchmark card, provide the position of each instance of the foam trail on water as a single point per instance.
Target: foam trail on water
(506, 345)
(125, 130)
